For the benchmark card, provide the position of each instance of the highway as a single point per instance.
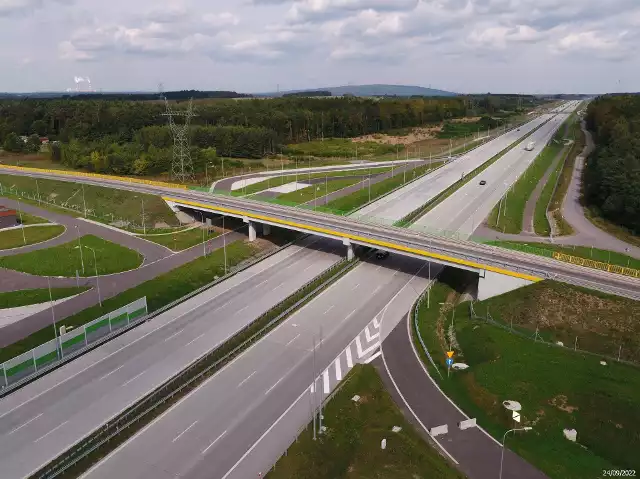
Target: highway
(465, 209)
(402, 240)
(46, 417)
(207, 433)
(402, 202)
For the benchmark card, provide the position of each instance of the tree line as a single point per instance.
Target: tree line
(131, 137)
(612, 172)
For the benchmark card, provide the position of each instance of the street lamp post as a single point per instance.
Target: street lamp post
(526, 428)
(80, 248)
(24, 238)
(95, 263)
(204, 243)
(144, 228)
(53, 319)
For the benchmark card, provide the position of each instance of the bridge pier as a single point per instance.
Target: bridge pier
(252, 229)
(350, 254)
(266, 229)
(492, 284)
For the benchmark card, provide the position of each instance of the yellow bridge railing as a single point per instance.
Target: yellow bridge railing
(95, 175)
(589, 263)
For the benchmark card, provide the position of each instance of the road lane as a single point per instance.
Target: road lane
(100, 384)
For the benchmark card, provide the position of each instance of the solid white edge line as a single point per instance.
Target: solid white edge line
(415, 352)
(413, 413)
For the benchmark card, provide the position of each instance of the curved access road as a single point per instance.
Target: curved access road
(476, 453)
(150, 251)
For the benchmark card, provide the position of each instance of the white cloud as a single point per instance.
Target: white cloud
(13, 7)
(595, 43)
(323, 10)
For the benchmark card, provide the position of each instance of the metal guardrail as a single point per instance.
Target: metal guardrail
(182, 380)
(132, 324)
(589, 263)
(416, 309)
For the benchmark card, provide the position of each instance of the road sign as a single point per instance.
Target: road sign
(516, 416)
(449, 362)
(449, 354)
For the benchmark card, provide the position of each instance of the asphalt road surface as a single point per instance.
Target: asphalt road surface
(399, 204)
(208, 432)
(465, 210)
(151, 251)
(477, 454)
(46, 417)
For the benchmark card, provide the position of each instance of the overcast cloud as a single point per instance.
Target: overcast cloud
(257, 45)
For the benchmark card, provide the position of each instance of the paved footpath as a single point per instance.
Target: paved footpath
(151, 251)
(477, 454)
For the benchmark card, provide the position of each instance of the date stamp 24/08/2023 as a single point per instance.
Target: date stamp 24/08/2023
(619, 473)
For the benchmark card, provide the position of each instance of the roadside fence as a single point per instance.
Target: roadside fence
(44, 357)
(545, 338)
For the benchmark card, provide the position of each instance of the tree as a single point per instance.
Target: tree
(13, 143)
(33, 144)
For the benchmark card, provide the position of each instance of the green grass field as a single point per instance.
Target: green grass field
(317, 190)
(28, 219)
(13, 238)
(332, 147)
(350, 447)
(182, 240)
(540, 223)
(159, 291)
(25, 297)
(103, 202)
(361, 197)
(557, 387)
(284, 179)
(64, 259)
(545, 249)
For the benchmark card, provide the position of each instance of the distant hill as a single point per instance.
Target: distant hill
(371, 90)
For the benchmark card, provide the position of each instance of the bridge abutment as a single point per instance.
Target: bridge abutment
(492, 284)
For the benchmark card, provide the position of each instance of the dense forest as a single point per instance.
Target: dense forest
(612, 173)
(106, 134)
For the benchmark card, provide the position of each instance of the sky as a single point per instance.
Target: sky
(502, 46)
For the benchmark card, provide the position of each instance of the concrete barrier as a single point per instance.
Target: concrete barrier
(466, 424)
(439, 430)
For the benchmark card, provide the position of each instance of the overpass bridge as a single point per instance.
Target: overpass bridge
(498, 270)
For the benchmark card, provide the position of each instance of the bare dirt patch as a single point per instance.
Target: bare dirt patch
(417, 134)
(560, 402)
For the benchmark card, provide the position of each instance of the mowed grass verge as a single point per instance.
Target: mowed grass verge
(159, 291)
(26, 297)
(557, 387)
(182, 240)
(65, 260)
(274, 181)
(317, 190)
(27, 219)
(359, 198)
(100, 201)
(545, 249)
(13, 238)
(350, 448)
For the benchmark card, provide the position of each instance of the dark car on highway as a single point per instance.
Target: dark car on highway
(483, 182)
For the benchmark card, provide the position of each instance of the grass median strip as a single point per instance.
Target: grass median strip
(350, 447)
(366, 194)
(65, 259)
(159, 291)
(182, 240)
(557, 387)
(14, 238)
(26, 297)
(27, 219)
(96, 446)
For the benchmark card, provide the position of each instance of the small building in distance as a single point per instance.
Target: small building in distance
(8, 217)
